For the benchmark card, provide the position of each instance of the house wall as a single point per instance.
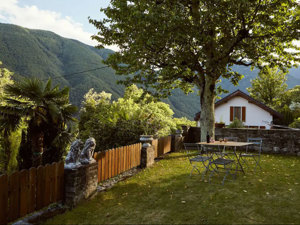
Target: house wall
(255, 116)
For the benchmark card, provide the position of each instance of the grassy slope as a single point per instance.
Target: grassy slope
(166, 193)
(44, 54)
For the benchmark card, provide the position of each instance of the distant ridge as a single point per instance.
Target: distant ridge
(45, 54)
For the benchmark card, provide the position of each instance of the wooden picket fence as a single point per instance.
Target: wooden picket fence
(26, 191)
(113, 162)
(162, 146)
(29, 190)
(116, 161)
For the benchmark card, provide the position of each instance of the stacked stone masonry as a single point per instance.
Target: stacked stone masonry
(80, 183)
(274, 140)
(147, 155)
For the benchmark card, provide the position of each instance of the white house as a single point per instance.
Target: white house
(253, 113)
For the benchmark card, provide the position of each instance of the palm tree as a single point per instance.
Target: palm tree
(46, 111)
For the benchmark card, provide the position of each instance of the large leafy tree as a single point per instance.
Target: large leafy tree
(46, 111)
(181, 43)
(269, 87)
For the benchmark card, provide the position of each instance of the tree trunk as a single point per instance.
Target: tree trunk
(207, 101)
(37, 147)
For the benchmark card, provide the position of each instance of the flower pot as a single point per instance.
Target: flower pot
(146, 138)
(219, 125)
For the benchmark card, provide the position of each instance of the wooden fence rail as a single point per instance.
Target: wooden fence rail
(25, 191)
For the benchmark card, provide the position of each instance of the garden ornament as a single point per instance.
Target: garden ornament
(73, 155)
(86, 156)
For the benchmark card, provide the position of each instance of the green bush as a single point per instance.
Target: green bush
(236, 123)
(296, 123)
(121, 122)
(183, 121)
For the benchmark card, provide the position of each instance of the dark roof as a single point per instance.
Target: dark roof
(239, 93)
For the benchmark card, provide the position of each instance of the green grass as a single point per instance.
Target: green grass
(166, 193)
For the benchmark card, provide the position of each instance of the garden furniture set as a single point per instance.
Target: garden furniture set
(214, 157)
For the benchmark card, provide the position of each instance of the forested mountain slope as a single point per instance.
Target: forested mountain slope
(44, 54)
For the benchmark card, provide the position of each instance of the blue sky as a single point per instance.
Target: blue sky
(68, 18)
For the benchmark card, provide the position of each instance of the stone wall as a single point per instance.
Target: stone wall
(274, 140)
(80, 183)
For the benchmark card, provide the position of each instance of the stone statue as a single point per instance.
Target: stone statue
(86, 156)
(73, 155)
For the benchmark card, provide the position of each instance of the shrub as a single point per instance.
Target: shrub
(236, 123)
(296, 123)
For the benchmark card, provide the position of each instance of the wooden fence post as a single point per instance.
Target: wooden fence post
(3, 199)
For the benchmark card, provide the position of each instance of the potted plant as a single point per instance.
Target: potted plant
(220, 124)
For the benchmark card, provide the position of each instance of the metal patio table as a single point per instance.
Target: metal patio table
(224, 144)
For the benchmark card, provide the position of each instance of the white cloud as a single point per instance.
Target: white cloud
(35, 18)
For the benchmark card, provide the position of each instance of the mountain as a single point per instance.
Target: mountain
(44, 54)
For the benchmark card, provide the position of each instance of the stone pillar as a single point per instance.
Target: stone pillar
(147, 152)
(80, 183)
(178, 141)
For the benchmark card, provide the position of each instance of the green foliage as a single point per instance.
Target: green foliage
(8, 141)
(46, 111)
(296, 123)
(121, 122)
(293, 100)
(5, 78)
(269, 87)
(288, 116)
(182, 44)
(58, 56)
(15, 141)
(236, 123)
(183, 121)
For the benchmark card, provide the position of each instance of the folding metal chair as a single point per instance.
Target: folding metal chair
(222, 163)
(219, 164)
(257, 142)
(196, 159)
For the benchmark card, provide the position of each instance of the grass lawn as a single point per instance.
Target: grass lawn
(166, 193)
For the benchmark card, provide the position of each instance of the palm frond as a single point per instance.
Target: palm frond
(8, 111)
(17, 102)
(48, 86)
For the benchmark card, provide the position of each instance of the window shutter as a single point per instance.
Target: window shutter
(244, 114)
(231, 113)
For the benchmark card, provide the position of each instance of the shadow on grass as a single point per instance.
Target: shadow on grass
(166, 193)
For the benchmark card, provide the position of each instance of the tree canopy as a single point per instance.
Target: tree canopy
(167, 44)
(269, 87)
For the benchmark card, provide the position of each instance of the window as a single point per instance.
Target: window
(238, 112)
